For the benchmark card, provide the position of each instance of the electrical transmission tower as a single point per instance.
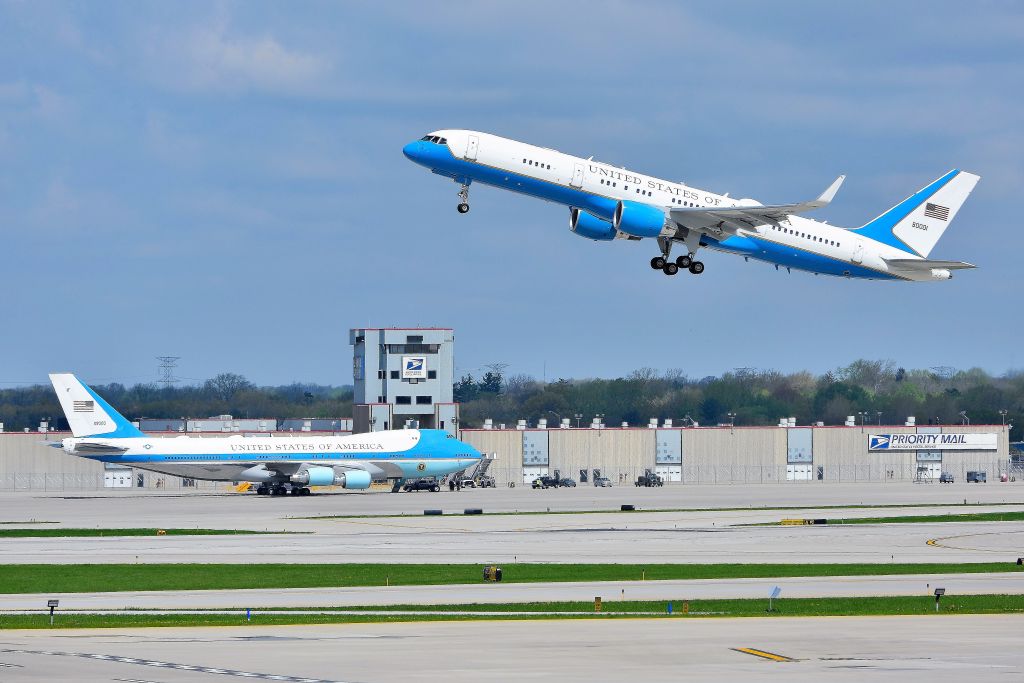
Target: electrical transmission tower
(167, 365)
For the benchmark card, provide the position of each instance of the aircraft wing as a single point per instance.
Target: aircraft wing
(89, 447)
(918, 264)
(728, 220)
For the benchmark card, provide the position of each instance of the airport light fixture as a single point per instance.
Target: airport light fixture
(863, 416)
(1002, 415)
(578, 416)
(732, 419)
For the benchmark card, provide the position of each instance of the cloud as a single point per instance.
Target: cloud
(212, 58)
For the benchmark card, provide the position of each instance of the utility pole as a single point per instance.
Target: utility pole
(166, 368)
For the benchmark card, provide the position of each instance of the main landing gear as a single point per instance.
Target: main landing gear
(685, 262)
(464, 196)
(281, 490)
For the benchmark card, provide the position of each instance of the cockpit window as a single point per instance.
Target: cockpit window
(435, 139)
(425, 138)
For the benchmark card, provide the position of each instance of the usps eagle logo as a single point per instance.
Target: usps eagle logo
(879, 442)
(414, 365)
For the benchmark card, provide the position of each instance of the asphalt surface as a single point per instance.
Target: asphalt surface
(811, 587)
(936, 649)
(669, 537)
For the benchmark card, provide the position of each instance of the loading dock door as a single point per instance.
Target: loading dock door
(798, 472)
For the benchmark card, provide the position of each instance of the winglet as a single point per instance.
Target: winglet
(828, 195)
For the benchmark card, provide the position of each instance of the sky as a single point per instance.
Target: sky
(224, 182)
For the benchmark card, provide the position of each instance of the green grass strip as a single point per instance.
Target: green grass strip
(90, 578)
(79, 533)
(693, 609)
(1008, 516)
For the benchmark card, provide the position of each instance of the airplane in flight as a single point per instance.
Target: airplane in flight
(277, 464)
(608, 203)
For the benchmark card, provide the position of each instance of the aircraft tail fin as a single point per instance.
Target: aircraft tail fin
(916, 224)
(87, 413)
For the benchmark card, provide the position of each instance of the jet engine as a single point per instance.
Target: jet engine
(326, 476)
(941, 274)
(638, 219)
(590, 226)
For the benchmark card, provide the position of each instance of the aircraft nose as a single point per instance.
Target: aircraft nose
(413, 151)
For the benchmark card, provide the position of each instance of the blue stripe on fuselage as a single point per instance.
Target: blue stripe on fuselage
(432, 445)
(439, 159)
(792, 257)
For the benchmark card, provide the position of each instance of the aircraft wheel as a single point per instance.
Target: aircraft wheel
(697, 267)
(671, 269)
(657, 262)
(463, 207)
(684, 261)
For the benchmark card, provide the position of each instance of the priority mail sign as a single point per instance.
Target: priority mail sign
(414, 367)
(932, 442)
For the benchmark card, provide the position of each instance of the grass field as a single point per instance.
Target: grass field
(1008, 516)
(57, 532)
(89, 578)
(803, 607)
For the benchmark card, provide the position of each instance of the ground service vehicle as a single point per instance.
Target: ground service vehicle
(649, 479)
(946, 478)
(422, 485)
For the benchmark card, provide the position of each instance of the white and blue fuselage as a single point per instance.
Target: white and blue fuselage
(277, 463)
(396, 454)
(608, 203)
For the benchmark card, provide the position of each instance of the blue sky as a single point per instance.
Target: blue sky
(224, 182)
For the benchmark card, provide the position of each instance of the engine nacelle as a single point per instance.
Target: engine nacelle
(326, 476)
(590, 226)
(638, 219)
(941, 274)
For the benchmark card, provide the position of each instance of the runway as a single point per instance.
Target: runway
(804, 587)
(687, 538)
(147, 508)
(937, 649)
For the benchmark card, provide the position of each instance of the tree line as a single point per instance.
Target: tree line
(225, 394)
(872, 391)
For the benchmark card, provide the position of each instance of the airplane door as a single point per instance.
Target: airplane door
(472, 147)
(577, 176)
(858, 253)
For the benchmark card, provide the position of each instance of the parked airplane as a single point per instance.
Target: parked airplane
(276, 464)
(607, 203)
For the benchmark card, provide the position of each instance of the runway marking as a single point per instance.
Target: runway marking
(764, 655)
(937, 542)
(171, 665)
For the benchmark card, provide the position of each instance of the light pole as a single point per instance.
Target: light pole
(862, 415)
(879, 417)
(579, 416)
(1002, 415)
(556, 415)
(965, 420)
(732, 419)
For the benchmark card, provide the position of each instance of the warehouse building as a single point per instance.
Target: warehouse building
(703, 455)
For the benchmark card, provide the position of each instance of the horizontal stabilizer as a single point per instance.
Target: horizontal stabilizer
(920, 264)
